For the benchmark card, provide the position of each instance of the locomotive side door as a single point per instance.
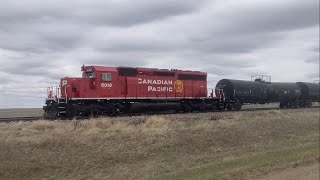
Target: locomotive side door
(93, 84)
(123, 87)
(132, 87)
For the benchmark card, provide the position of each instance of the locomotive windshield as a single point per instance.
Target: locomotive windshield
(89, 73)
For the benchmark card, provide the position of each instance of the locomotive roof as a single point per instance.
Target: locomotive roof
(114, 69)
(101, 68)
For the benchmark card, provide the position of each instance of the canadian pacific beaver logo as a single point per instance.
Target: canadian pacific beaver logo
(178, 86)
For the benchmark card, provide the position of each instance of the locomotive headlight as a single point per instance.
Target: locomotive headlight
(64, 82)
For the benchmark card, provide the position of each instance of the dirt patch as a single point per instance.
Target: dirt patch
(305, 173)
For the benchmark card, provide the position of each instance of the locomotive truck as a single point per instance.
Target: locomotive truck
(121, 90)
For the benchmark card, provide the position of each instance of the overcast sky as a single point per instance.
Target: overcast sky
(42, 41)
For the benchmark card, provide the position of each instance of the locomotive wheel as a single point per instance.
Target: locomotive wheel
(229, 108)
(202, 108)
(51, 112)
(213, 108)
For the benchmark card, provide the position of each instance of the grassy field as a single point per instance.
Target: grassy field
(229, 145)
(4, 113)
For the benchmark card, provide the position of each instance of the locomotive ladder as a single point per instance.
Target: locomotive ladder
(62, 102)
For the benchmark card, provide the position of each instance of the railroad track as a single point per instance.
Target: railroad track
(35, 118)
(20, 118)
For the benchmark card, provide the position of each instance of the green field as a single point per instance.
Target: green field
(228, 145)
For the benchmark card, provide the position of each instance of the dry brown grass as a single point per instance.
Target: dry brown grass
(205, 145)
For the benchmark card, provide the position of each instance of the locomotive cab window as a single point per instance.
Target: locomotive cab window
(106, 76)
(89, 73)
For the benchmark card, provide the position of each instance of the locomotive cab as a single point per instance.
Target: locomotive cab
(99, 81)
(90, 75)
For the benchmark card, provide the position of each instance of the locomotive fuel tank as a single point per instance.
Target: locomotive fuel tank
(149, 107)
(309, 91)
(245, 91)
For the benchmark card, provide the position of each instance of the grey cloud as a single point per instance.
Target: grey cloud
(41, 38)
(139, 12)
(42, 41)
(270, 17)
(241, 43)
(243, 30)
(114, 13)
(313, 76)
(313, 60)
(316, 48)
(43, 27)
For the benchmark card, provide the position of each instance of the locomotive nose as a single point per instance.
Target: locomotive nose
(69, 87)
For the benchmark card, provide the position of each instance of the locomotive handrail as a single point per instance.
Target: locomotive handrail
(211, 94)
(65, 91)
(53, 92)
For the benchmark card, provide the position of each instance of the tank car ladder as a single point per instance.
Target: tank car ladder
(222, 99)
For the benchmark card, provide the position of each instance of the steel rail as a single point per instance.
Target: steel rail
(20, 118)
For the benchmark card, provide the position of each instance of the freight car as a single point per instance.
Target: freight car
(309, 91)
(288, 95)
(117, 90)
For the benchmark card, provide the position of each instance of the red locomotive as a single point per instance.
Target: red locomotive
(112, 90)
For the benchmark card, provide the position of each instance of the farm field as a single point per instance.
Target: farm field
(4, 113)
(227, 145)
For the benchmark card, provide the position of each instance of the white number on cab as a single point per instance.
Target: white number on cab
(106, 85)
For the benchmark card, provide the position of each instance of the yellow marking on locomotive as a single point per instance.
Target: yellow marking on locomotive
(178, 86)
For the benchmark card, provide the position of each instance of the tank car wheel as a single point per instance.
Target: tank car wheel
(219, 106)
(281, 105)
(238, 106)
